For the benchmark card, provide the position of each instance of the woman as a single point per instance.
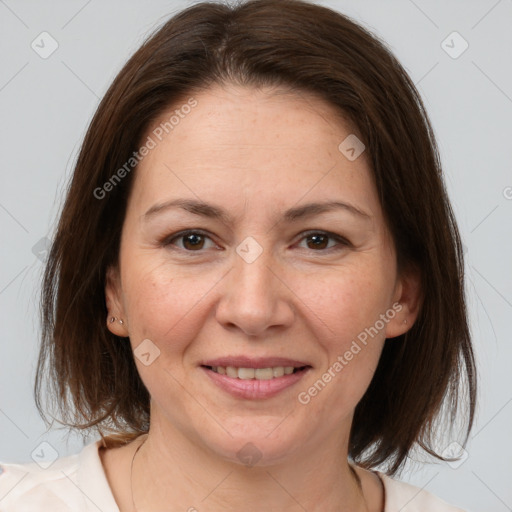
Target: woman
(255, 293)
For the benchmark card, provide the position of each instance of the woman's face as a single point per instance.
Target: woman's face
(263, 274)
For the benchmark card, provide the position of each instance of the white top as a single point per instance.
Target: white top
(77, 483)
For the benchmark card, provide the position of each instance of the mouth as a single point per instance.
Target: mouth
(255, 381)
(244, 373)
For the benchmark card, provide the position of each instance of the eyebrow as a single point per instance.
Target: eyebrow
(203, 209)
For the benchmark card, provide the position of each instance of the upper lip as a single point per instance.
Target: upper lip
(253, 362)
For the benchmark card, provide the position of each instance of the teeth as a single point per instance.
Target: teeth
(254, 373)
(231, 372)
(278, 371)
(244, 373)
(263, 373)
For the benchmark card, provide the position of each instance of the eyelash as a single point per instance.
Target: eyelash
(342, 242)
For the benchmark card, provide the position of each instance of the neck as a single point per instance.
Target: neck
(169, 468)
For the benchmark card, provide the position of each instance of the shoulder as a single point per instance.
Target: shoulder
(31, 486)
(68, 484)
(405, 497)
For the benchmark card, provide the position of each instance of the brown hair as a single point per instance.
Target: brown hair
(305, 47)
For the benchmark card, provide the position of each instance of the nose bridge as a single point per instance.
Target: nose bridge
(254, 298)
(253, 284)
(252, 265)
(255, 276)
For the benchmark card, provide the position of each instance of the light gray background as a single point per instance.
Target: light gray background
(46, 105)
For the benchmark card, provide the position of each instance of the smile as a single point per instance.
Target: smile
(254, 383)
(255, 373)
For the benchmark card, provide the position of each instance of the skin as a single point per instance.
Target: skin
(256, 153)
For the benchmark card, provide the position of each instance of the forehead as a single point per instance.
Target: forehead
(247, 118)
(271, 142)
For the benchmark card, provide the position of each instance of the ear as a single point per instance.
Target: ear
(116, 318)
(407, 300)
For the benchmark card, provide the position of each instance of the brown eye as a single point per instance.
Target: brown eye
(319, 241)
(191, 241)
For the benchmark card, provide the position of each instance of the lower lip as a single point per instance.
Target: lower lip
(253, 389)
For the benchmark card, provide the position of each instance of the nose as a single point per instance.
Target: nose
(255, 297)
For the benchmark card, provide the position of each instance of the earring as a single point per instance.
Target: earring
(112, 319)
(121, 322)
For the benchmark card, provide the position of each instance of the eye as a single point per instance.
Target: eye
(195, 241)
(319, 240)
(192, 240)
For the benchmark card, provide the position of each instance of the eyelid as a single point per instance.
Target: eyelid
(166, 241)
(341, 241)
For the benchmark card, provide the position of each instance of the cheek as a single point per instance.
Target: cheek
(162, 304)
(348, 307)
(346, 301)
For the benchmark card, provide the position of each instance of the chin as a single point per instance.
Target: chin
(255, 442)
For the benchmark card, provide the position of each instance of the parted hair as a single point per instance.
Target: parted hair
(86, 377)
